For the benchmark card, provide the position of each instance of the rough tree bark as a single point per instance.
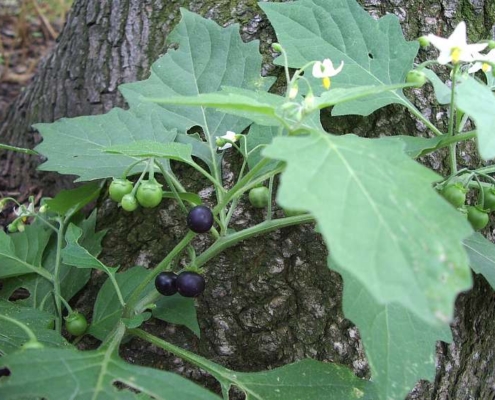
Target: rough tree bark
(284, 304)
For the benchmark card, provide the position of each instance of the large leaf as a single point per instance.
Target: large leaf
(478, 101)
(64, 374)
(374, 51)
(306, 379)
(208, 58)
(481, 254)
(415, 146)
(40, 322)
(76, 146)
(400, 347)
(380, 217)
(21, 253)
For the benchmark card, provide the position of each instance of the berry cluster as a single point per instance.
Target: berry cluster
(187, 283)
(477, 215)
(148, 194)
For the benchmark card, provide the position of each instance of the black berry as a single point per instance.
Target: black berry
(190, 284)
(165, 283)
(200, 219)
(4, 372)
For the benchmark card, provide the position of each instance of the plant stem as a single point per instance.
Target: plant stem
(264, 227)
(162, 266)
(56, 275)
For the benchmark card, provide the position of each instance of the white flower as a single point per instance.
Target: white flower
(325, 70)
(490, 57)
(455, 48)
(225, 142)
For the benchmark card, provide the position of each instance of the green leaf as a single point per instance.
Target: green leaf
(60, 374)
(192, 198)
(380, 217)
(77, 256)
(76, 146)
(478, 101)
(21, 253)
(442, 91)
(400, 347)
(415, 146)
(481, 254)
(71, 279)
(306, 379)
(208, 57)
(178, 310)
(68, 202)
(374, 51)
(148, 148)
(12, 336)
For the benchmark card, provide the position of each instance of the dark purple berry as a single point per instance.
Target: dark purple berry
(200, 219)
(4, 372)
(190, 284)
(165, 283)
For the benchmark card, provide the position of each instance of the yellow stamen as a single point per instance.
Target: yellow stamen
(326, 82)
(455, 54)
(485, 67)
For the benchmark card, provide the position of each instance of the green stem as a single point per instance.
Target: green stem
(162, 266)
(56, 275)
(245, 183)
(262, 228)
(423, 119)
(172, 187)
(184, 354)
(270, 190)
(452, 117)
(18, 149)
(130, 167)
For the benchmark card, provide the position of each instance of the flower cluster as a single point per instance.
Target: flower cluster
(455, 49)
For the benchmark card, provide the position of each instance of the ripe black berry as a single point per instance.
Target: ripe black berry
(165, 283)
(4, 372)
(200, 219)
(190, 284)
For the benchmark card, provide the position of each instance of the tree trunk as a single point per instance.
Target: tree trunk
(284, 304)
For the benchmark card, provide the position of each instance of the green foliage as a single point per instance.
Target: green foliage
(21, 253)
(401, 249)
(399, 345)
(374, 51)
(89, 375)
(40, 322)
(477, 101)
(398, 235)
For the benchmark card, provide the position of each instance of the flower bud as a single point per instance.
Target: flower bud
(424, 41)
(277, 47)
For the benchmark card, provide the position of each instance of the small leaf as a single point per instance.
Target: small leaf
(21, 253)
(442, 91)
(12, 337)
(415, 146)
(137, 320)
(68, 202)
(178, 310)
(61, 374)
(478, 101)
(77, 256)
(409, 247)
(374, 51)
(481, 254)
